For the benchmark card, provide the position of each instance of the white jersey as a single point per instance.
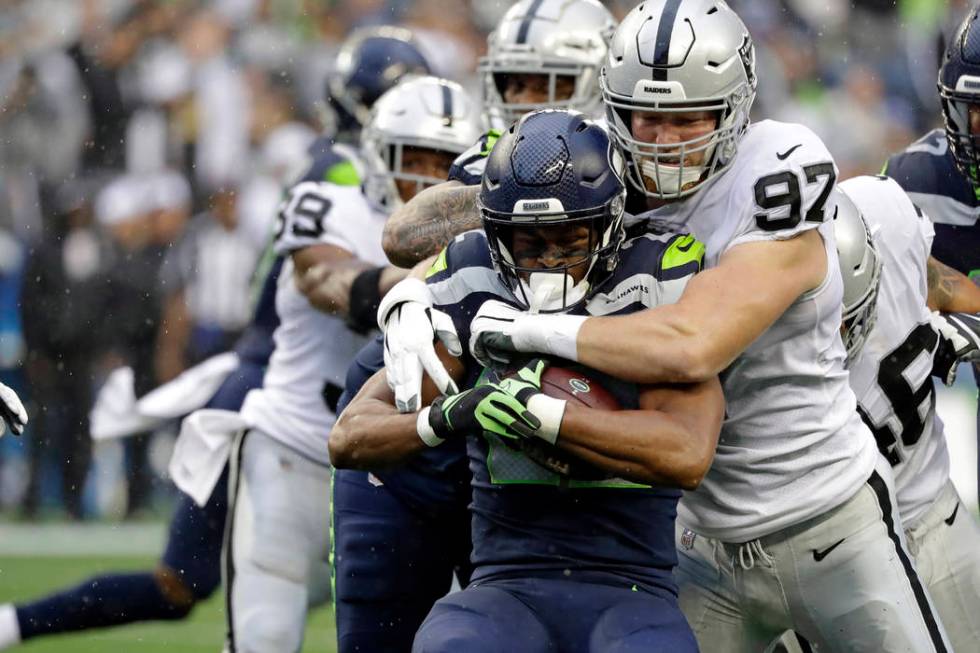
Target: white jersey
(792, 445)
(892, 376)
(312, 349)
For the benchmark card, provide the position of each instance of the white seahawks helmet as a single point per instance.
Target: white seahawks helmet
(677, 56)
(860, 266)
(547, 37)
(424, 112)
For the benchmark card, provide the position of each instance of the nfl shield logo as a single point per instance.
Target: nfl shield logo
(687, 539)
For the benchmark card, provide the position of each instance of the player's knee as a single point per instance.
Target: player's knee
(179, 596)
(272, 631)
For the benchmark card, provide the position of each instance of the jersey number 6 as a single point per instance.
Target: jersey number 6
(783, 189)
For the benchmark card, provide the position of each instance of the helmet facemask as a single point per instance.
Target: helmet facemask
(495, 68)
(964, 144)
(858, 316)
(555, 289)
(858, 320)
(666, 165)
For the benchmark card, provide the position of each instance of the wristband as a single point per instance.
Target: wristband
(365, 297)
(424, 429)
(550, 411)
(558, 338)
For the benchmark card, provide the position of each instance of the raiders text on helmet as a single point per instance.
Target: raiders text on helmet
(679, 56)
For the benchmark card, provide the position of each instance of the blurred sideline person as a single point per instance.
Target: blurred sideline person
(941, 171)
(796, 469)
(189, 570)
(573, 558)
(277, 539)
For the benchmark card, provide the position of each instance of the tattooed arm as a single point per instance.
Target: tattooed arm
(423, 225)
(949, 290)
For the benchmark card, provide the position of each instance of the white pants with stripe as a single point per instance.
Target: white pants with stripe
(844, 580)
(945, 543)
(276, 544)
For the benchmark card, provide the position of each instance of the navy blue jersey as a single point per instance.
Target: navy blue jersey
(433, 482)
(528, 521)
(926, 171)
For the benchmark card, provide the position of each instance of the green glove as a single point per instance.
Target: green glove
(525, 382)
(525, 386)
(486, 408)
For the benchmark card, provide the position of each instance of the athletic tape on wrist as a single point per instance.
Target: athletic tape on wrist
(424, 429)
(557, 337)
(550, 411)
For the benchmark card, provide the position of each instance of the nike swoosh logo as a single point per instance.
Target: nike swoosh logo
(782, 157)
(685, 248)
(949, 520)
(820, 555)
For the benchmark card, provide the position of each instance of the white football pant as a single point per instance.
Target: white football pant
(844, 580)
(276, 549)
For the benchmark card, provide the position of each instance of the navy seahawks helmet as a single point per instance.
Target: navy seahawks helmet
(554, 169)
(959, 88)
(370, 62)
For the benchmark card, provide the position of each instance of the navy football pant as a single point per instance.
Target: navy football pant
(390, 564)
(535, 615)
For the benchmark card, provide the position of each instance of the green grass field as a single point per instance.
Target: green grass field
(25, 577)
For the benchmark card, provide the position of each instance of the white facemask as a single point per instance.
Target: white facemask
(671, 179)
(546, 290)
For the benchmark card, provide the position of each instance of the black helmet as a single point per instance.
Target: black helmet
(959, 87)
(554, 168)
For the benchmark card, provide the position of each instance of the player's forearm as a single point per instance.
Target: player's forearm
(426, 223)
(644, 446)
(949, 290)
(371, 434)
(667, 344)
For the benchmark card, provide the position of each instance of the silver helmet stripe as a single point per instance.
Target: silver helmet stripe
(525, 27)
(447, 106)
(664, 31)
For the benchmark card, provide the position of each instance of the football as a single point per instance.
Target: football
(575, 387)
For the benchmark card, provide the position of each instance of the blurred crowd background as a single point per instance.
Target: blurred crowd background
(144, 146)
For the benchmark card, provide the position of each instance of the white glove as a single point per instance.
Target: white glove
(12, 411)
(499, 329)
(410, 326)
(961, 335)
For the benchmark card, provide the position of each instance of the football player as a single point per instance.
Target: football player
(796, 469)
(190, 568)
(542, 54)
(890, 347)
(940, 171)
(573, 563)
(277, 538)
